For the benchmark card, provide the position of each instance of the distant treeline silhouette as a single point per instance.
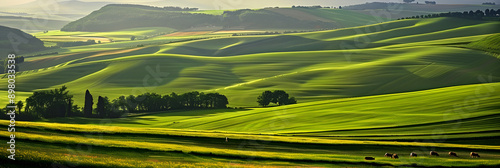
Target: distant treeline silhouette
(478, 14)
(166, 8)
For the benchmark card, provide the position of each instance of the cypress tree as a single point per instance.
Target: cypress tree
(89, 102)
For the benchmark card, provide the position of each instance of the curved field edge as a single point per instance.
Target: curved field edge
(231, 153)
(113, 130)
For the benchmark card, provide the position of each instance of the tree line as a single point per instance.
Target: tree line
(152, 102)
(59, 103)
(478, 14)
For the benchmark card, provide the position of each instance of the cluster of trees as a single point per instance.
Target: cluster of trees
(59, 103)
(76, 43)
(175, 8)
(309, 7)
(430, 2)
(50, 104)
(314, 7)
(478, 14)
(152, 102)
(278, 97)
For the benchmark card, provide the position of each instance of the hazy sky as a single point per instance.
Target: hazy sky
(226, 4)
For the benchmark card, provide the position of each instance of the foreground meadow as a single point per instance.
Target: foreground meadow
(281, 136)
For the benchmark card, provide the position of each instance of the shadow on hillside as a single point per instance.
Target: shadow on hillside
(285, 43)
(135, 120)
(200, 112)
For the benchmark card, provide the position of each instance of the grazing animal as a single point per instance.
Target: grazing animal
(413, 154)
(388, 155)
(395, 156)
(452, 154)
(432, 153)
(369, 158)
(474, 155)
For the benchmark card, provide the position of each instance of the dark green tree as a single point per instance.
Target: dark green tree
(89, 102)
(103, 107)
(49, 104)
(220, 101)
(265, 98)
(280, 97)
(20, 106)
(131, 103)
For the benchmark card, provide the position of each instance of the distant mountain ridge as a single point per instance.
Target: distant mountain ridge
(122, 16)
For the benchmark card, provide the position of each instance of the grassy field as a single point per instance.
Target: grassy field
(105, 37)
(402, 86)
(286, 136)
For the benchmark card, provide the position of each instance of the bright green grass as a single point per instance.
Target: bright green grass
(266, 132)
(490, 43)
(401, 33)
(327, 74)
(346, 18)
(447, 111)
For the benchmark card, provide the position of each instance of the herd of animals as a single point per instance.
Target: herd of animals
(431, 153)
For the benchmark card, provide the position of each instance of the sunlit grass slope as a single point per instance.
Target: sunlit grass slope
(390, 57)
(490, 44)
(460, 111)
(338, 132)
(325, 74)
(385, 34)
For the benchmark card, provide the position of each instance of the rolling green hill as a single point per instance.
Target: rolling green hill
(406, 55)
(391, 117)
(402, 56)
(490, 43)
(16, 41)
(115, 17)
